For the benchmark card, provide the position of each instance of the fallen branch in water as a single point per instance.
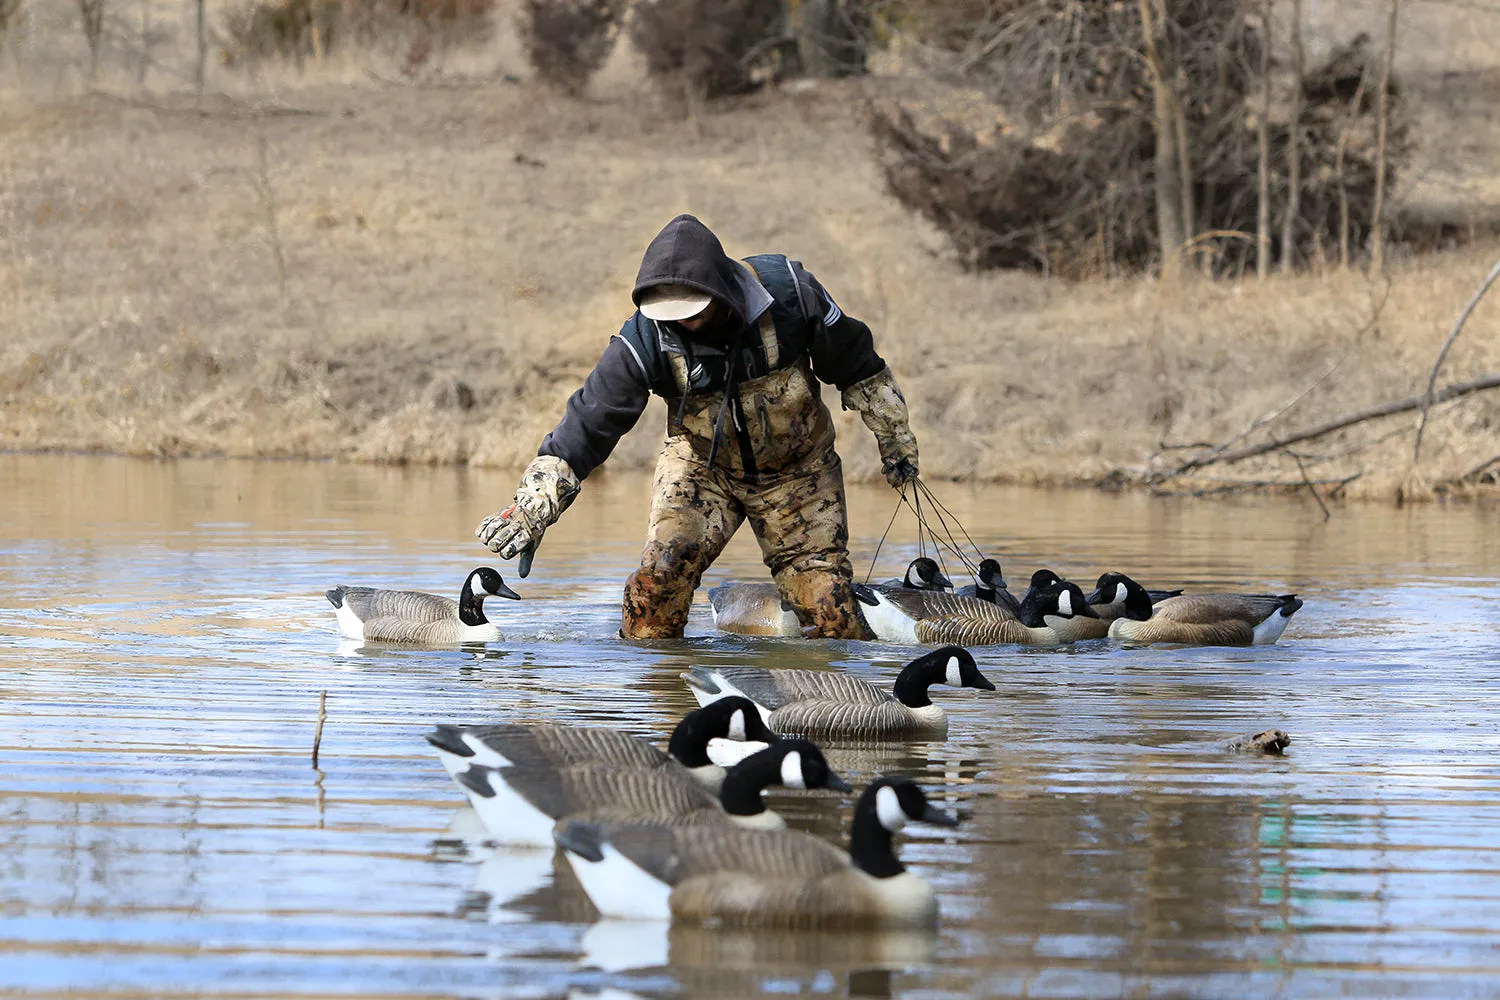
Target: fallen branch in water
(1222, 486)
(1349, 420)
(1474, 472)
(1309, 484)
(1416, 448)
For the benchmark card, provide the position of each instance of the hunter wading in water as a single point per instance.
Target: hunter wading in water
(736, 349)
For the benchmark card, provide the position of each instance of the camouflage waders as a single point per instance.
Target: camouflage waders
(798, 511)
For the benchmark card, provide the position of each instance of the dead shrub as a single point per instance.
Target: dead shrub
(568, 40)
(705, 48)
(1059, 172)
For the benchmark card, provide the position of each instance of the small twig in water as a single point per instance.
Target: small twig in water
(1416, 448)
(318, 732)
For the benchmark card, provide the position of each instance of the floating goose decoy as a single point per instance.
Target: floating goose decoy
(753, 609)
(519, 805)
(1203, 619)
(922, 574)
(990, 586)
(412, 616)
(529, 745)
(1269, 741)
(1108, 598)
(1042, 579)
(739, 877)
(1057, 615)
(827, 704)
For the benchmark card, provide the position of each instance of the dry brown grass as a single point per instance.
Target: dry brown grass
(457, 258)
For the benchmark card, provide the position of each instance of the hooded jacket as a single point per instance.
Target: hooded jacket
(839, 348)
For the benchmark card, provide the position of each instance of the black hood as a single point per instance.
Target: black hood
(686, 252)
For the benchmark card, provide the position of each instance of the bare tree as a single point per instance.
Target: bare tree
(1293, 148)
(92, 13)
(202, 46)
(1377, 221)
(1174, 193)
(1263, 134)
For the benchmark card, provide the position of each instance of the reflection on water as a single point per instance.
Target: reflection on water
(164, 640)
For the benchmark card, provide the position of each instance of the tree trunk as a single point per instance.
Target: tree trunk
(1263, 219)
(1377, 223)
(1170, 160)
(1294, 150)
(830, 37)
(202, 46)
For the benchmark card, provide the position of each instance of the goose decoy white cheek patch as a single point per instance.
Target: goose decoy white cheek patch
(888, 809)
(791, 770)
(476, 584)
(737, 724)
(955, 676)
(1121, 593)
(1065, 604)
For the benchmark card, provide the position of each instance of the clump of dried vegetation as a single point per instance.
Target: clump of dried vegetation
(1111, 137)
(298, 30)
(567, 41)
(704, 48)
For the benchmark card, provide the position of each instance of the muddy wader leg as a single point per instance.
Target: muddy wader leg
(802, 522)
(692, 519)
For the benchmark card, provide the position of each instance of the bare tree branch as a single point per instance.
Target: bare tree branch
(1416, 448)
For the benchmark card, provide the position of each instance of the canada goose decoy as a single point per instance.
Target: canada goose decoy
(827, 704)
(1041, 580)
(1058, 615)
(530, 745)
(412, 616)
(1203, 619)
(753, 609)
(1108, 598)
(519, 805)
(990, 586)
(922, 574)
(785, 879)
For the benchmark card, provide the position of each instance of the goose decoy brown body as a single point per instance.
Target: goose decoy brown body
(753, 609)
(1049, 617)
(728, 877)
(550, 744)
(412, 616)
(1204, 619)
(520, 805)
(827, 704)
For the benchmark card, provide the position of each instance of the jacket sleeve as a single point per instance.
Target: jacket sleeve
(601, 412)
(842, 348)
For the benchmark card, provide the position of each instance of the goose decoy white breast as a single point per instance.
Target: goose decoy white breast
(925, 617)
(1108, 598)
(519, 805)
(1203, 619)
(783, 879)
(534, 744)
(411, 616)
(826, 704)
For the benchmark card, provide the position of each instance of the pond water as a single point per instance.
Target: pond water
(164, 643)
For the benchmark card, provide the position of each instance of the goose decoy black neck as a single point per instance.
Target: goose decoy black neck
(951, 665)
(732, 718)
(885, 807)
(1065, 600)
(791, 763)
(483, 582)
(924, 574)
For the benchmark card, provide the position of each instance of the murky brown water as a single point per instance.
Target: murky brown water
(164, 639)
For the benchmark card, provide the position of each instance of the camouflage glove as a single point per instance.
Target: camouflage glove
(883, 409)
(548, 487)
